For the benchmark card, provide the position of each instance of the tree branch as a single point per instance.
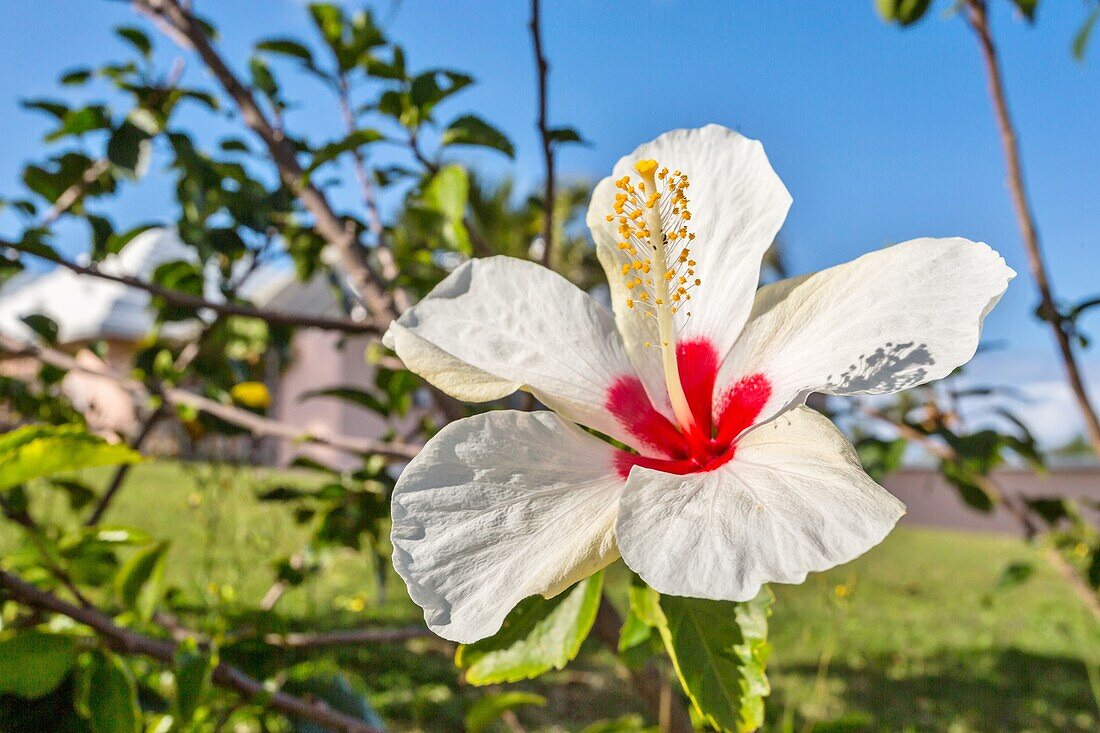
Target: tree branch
(127, 641)
(123, 471)
(542, 69)
(978, 19)
(256, 424)
(194, 302)
(180, 25)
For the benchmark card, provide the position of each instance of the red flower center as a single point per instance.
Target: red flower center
(713, 443)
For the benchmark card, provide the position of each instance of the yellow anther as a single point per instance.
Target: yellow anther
(646, 167)
(629, 303)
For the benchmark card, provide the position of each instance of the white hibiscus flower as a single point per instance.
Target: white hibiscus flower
(730, 482)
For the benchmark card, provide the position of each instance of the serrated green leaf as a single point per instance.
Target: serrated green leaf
(140, 582)
(540, 634)
(38, 451)
(472, 130)
(33, 664)
(112, 696)
(719, 650)
(488, 709)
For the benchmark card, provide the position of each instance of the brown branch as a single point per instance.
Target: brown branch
(650, 683)
(181, 26)
(256, 424)
(346, 637)
(542, 69)
(978, 19)
(194, 302)
(366, 188)
(127, 641)
(1015, 505)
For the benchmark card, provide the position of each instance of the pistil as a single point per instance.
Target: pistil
(664, 309)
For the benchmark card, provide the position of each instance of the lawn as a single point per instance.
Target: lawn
(916, 635)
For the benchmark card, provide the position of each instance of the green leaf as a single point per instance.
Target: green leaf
(112, 696)
(472, 130)
(38, 451)
(130, 149)
(446, 195)
(76, 77)
(33, 664)
(329, 20)
(333, 150)
(193, 670)
(1084, 33)
(117, 241)
(136, 38)
(81, 120)
(44, 326)
(719, 650)
(351, 394)
(1027, 8)
(902, 12)
(287, 47)
(565, 135)
(880, 457)
(488, 709)
(432, 87)
(140, 582)
(540, 634)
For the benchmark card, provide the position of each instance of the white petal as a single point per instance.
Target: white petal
(885, 322)
(499, 507)
(793, 500)
(738, 205)
(499, 324)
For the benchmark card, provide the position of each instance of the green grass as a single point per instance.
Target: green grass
(913, 636)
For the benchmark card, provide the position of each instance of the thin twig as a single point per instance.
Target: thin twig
(382, 250)
(194, 302)
(319, 640)
(123, 471)
(256, 424)
(75, 192)
(978, 19)
(542, 69)
(127, 641)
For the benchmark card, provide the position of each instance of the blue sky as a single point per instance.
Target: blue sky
(881, 135)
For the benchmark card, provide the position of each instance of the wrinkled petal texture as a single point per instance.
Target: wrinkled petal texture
(885, 322)
(738, 203)
(793, 500)
(499, 324)
(496, 508)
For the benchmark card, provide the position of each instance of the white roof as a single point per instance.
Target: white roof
(88, 308)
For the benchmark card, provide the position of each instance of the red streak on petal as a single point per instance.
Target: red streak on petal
(697, 361)
(741, 405)
(706, 448)
(625, 461)
(628, 402)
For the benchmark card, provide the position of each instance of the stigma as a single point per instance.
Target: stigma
(658, 268)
